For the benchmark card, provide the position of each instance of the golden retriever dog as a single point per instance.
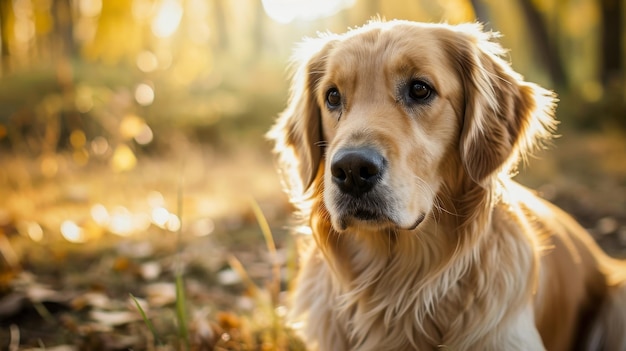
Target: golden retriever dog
(398, 146)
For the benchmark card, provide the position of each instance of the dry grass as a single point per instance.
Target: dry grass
(218, 282)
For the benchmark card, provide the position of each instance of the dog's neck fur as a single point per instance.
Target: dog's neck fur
(368, 266)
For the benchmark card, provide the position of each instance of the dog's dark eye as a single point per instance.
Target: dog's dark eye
(333, 98)
(419, 91)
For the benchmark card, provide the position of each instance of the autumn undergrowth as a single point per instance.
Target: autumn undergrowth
(262, 329)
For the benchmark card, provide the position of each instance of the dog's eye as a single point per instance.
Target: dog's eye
(333, 98)
(419, 91)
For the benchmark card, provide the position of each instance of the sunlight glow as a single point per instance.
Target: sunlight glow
(141, 222)
(285, 11)
(32, 230)
(121, 222)
(90, 8)
(100, 214)
(143, 10)
(160, 216)
(173, 223)
(304, 230)
(72, 232)
(24, 30)
(167, 19)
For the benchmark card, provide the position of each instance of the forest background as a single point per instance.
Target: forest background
(133, 161)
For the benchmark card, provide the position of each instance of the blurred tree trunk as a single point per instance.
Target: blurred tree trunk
(481, 12)
(612, 55)
(220, 22)
(5, 8)
(545, 46)
(64, 28)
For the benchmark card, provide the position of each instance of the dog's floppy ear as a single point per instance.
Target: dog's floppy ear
(297, 133)
(505, 117)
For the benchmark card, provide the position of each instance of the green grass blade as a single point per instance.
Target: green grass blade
(146, 320)
(181, 313)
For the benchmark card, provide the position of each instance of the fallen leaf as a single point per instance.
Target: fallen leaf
(113, 318)
(150, 270)
(91, 299)
(54, 348)
(160, 294)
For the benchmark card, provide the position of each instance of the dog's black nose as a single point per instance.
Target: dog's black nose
(357, 170)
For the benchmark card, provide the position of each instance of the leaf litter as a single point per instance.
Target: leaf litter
(97, 260)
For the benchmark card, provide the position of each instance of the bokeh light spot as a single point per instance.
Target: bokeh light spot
(147, 61)
(100, 214)
(144, 136)
(130, 126)
(72, 232)
(167, 19)
(160, 216)
(121, 222)
(31, 229)
(123, 159)
(144, 94)
(78, 139)
(173, 223)
(99, 145)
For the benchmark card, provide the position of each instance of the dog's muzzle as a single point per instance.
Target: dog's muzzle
(356, 171)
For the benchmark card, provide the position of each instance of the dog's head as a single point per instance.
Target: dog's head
(384, 118)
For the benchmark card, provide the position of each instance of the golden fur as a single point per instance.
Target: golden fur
(445, 251)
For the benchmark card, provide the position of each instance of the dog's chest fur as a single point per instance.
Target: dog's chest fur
(404, 299)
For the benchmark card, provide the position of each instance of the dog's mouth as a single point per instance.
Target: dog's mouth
(367, 215)
(376, 218)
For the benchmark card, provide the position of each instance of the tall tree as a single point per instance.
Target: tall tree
(5, 13)
(481, 12)
(546, 47)
(612, 61)
(64, 27)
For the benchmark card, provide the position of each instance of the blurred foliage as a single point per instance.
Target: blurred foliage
(105, 105)
(216, 68)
